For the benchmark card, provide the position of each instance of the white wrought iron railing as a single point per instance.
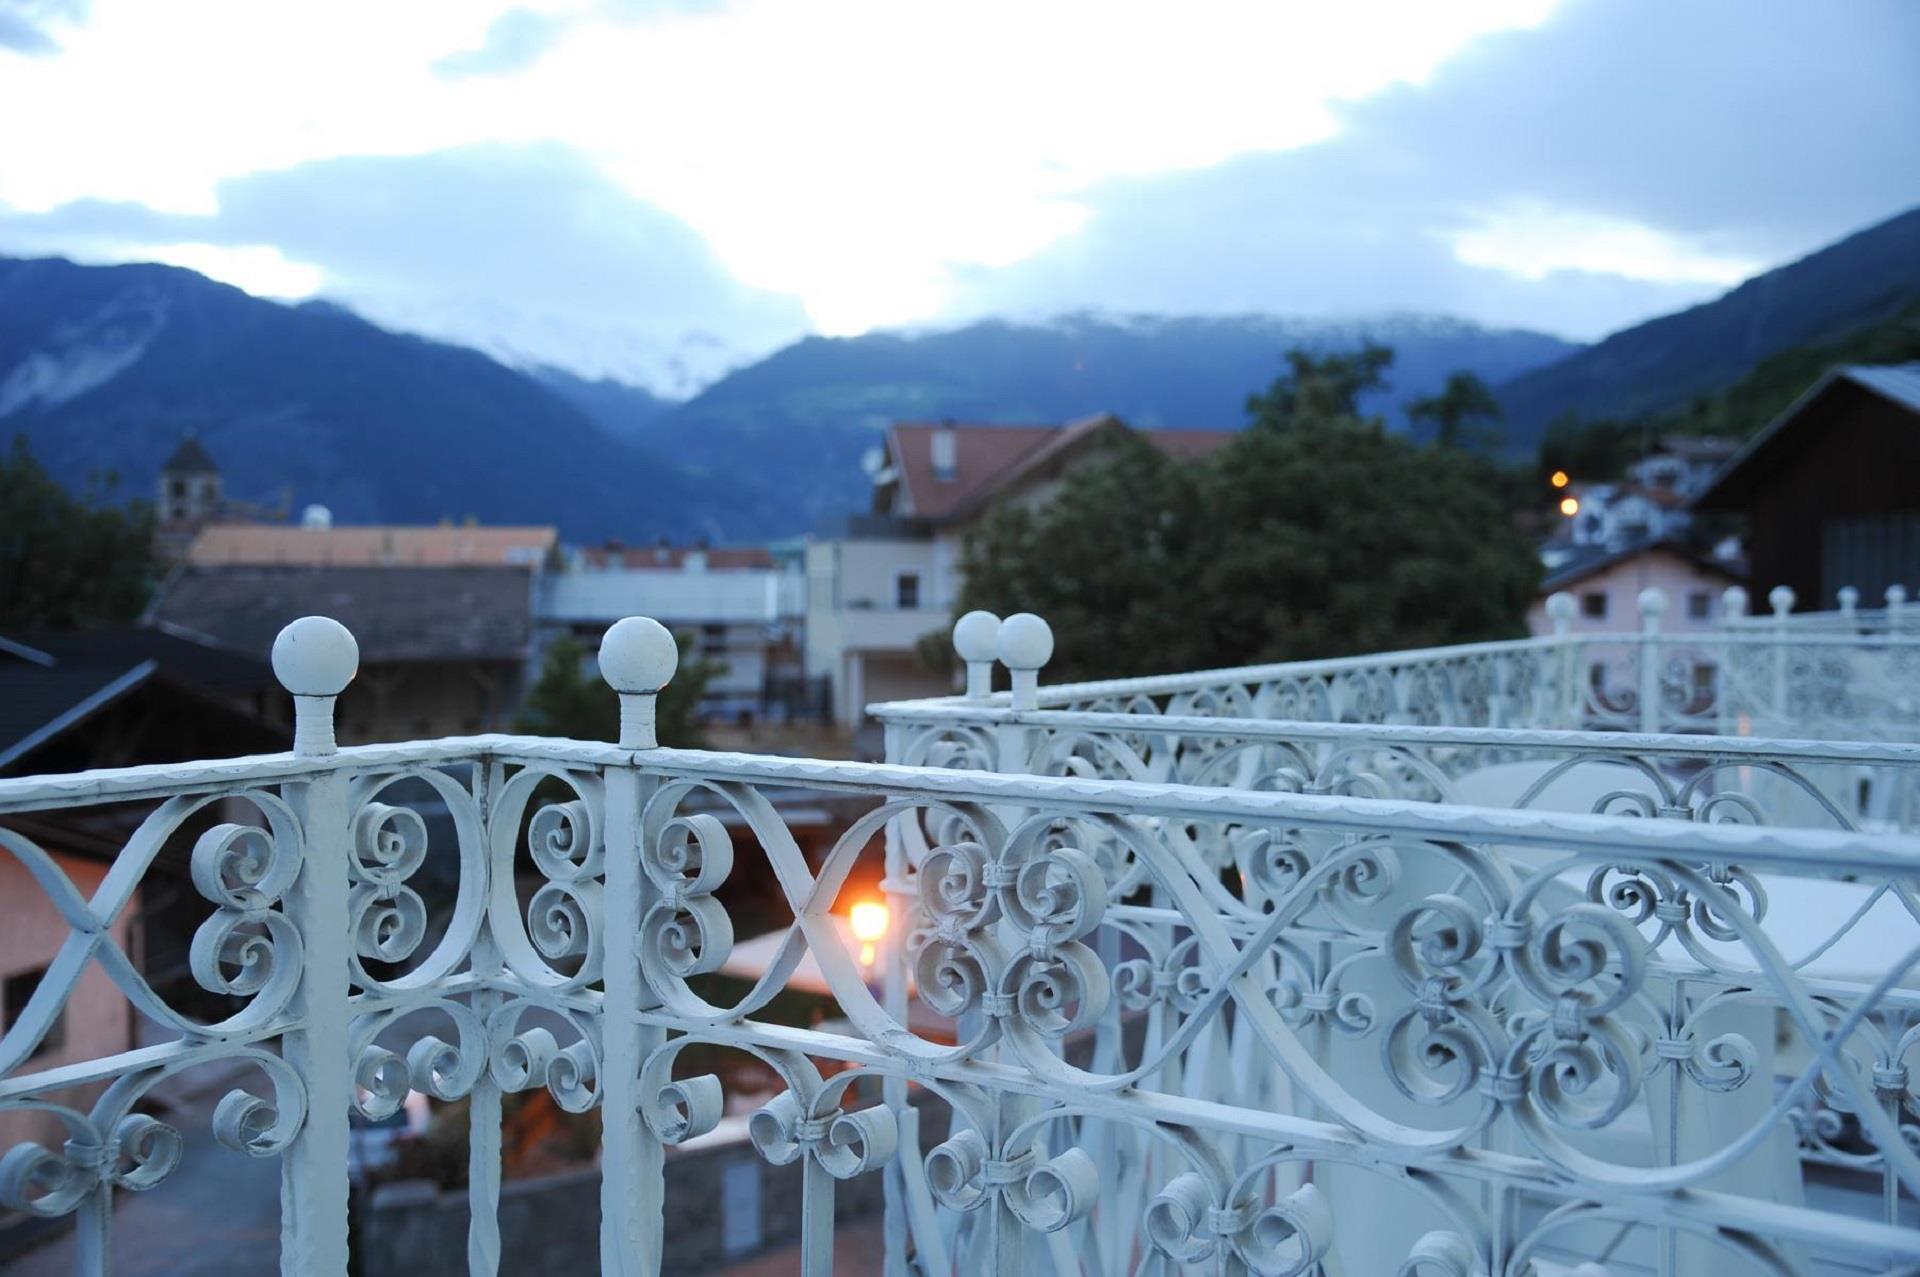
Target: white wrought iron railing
(1117, 1027)
(1773, 679)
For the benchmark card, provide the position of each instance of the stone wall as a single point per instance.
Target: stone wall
(723, 1203)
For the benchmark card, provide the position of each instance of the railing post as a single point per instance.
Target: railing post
(1849, 605)
(637, 658)
(1896, 607)
(315, 658)
(975, 641)
(1560, 609)
(1025, 644)
(1653, 605)
(1781, 598)
(1733, 611)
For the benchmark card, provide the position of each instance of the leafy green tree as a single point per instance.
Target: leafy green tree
(1464, 412)
(567, 701)
(1314, 533)
(1323, 385)
(69, 561)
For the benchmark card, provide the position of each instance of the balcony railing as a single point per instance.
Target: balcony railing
(1120, 1025)
(1778, 678)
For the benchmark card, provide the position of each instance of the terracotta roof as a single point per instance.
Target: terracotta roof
(988, 459)
(722, 558)
(396, 614)
(251, 544)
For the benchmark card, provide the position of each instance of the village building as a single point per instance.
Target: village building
(880, 582)
(1828, 487)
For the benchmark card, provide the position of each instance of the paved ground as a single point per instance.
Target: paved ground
(856, 1253)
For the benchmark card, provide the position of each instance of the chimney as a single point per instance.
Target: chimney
(946, 450)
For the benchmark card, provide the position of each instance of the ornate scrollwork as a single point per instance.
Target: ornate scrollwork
(687, 931)
(136, 1154)
(247, 948)
(1003, 933)
(1045, 1194)
(1188, 1223)
(844, 1143)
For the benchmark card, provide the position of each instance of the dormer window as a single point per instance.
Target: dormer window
(945, 453)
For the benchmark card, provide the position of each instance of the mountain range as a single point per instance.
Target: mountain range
(103, 368)
(1661, 365)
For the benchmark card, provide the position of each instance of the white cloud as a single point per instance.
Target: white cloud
(1534, 240)
(852, 153)
(260, 269)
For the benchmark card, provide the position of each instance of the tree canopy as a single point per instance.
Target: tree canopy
(1464, 412)
(1315, 532)
(68, 561)
(568, 701)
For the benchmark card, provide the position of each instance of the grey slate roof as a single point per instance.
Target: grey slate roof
(52, 682)
(1583, 561)
(397, 614)
(1898, 382)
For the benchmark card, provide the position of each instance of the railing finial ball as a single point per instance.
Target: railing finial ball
(1024, 641)
(637, 658)
(1560, 606)
(1896, 595)
(315, 656)
(1781, 598)
(976, 636)
(1652, 601)
(1849, 598)
(638, 655)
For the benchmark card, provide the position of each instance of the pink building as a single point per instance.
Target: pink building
(1605, 584)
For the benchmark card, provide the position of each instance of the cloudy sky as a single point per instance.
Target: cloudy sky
(640, 186)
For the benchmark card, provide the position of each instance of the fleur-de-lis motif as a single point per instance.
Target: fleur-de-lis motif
(1044, 1194)
(1189, 1223)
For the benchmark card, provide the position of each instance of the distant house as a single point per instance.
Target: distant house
(1606, 583)
(1651, 503)
(741, 605)
(69, 702)
(1829, 490)
(443, 650)
(880, 581)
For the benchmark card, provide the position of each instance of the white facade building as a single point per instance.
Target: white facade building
(885, 580)
(742, 606)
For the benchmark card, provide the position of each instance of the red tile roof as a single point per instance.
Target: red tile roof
(988, 459)
(257, 545)
(674, 557)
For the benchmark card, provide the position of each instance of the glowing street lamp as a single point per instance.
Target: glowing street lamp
(1570, 506)
(1560, 479)
(869, 923)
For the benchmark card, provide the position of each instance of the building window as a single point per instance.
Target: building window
(15, 991)
(713, 642)
(1699, 605)
(906, 591)
(1593, 605)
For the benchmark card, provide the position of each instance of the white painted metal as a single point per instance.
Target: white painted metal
(1307, 1025)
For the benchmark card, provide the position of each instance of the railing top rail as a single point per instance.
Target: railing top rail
(1675, 744)
(1759, 633)
(132, 784)
(1649, 838)
(1193, 680)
